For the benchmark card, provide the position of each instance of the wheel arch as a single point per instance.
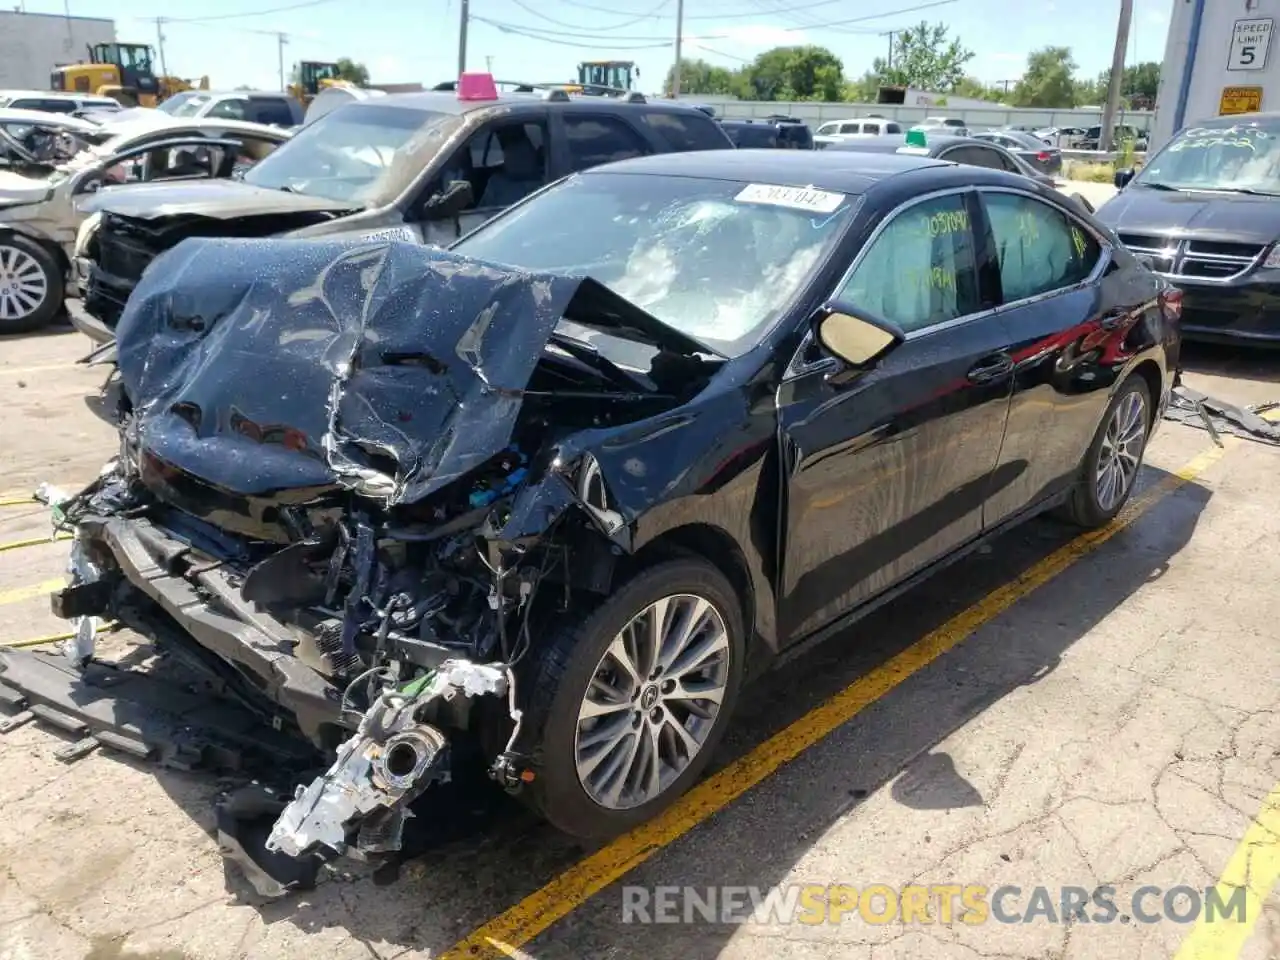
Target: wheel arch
(1153, 376)
(53, 248)
(718, 547)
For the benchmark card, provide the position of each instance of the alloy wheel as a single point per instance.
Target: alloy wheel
(1121, 450)
(23, 285)
(652, 702)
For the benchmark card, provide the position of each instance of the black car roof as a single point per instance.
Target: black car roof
(446, 101)
(846, 172)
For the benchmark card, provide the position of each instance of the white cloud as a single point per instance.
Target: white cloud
(760, 35)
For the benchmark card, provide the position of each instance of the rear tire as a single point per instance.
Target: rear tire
(31, 285)
(616, 748)
(1110, 467)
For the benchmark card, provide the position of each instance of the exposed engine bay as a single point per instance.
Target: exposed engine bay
(356, 483)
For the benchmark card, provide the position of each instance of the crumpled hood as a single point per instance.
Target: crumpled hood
(1210, 216)
(265, 365)
(217, 199)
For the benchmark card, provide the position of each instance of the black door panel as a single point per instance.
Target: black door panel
(887, 473)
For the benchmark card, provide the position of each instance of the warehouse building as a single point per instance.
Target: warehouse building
(32, 44)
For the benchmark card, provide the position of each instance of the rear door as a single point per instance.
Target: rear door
(1066, 321)
(888, 471)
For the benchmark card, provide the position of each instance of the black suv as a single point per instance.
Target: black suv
(390, 166)
(779, 133)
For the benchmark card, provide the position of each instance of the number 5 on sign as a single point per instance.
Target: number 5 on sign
(1250, 43)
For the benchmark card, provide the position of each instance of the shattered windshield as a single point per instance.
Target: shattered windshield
(358, 153)
(717, 260)
(1236, 158)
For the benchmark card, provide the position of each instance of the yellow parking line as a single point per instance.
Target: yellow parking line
(33, 542)
(504, 934)
(35, 590)
(1255, 866)
(28, 500)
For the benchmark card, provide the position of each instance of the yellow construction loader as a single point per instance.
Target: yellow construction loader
(122, 71)
(312, 77)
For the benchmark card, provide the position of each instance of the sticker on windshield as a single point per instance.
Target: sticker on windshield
(798, 198)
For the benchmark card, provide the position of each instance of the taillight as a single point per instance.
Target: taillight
(1171, 304)
(1043, 156)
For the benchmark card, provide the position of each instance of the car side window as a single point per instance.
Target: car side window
(682, 132)
(921, 269)
(504, 163)
(975, 156)
(1039, 248)
(594, 140)
(892, 128)
(271, 111)
(850, 128)
(230, 109)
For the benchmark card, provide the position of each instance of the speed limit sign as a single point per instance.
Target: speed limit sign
(1250, 41)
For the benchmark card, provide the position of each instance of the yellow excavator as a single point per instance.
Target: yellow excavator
(604, 77)
(122, 71)
(312, 77)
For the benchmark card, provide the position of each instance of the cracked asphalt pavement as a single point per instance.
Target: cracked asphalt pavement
(1118, 725)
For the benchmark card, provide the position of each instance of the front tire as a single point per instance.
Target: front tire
(1111, 465)
(634, 699)
(31, 285)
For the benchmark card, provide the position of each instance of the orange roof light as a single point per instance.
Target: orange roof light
(477, 86)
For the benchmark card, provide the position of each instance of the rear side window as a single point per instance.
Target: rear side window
(1039, 248)
(270, 110)
(595, 140)
(232, 109)
(892, 128)
(921, 270)
(681, 131)
(852, 128)
(752, 136)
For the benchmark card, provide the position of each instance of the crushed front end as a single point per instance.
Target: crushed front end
(349, 497)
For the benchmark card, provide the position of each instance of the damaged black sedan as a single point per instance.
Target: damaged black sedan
(559, 490)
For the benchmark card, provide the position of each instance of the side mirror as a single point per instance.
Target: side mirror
(859, 342)
(449, 202)
(1123, 177)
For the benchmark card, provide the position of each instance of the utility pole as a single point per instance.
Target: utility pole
(464, 17)
(281, 40)
(1117, 76)
(675, 71)
(164, 71)
(890, 35)
(488, 64)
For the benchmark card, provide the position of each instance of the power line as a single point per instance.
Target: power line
(538, 33)
(521, 32)
(616, 26)
(255, 13)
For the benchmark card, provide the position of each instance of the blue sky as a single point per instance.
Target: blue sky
(417, 40)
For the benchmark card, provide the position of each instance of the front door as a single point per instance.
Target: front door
(887, 471)
(504, 162)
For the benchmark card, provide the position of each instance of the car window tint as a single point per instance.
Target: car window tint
(976, 156)
(232, 109)
(921, 269)
(600, 139)
(850, 128)
(682, 132)
(270, 110)
(1039, 248)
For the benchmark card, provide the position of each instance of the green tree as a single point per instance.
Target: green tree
(700, 77)
(975, 89)
(926, 58)
(1049, 80)
(863, 90)
(1138, 88)
(794, 73)
(353, 72)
